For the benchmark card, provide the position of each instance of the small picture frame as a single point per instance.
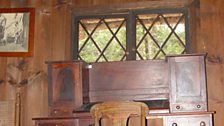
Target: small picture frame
(16, 32)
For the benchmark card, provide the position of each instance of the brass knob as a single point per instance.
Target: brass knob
(55, 111)
(202, 123)
(177, 107)
(198, 106)
(174, 124)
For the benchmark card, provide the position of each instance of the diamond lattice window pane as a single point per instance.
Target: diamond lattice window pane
(102, 35)
(105, 36)
(114, 52)
(89, 52)
(167, 34)
(172, 19)
(173, 46)
(82, 36)
(160, 31)
(101, 59)
(140, 32)
(90, 24)
(180, 31)
(114, 23)
(147, 48)
(160, 56)
(177, 23)
(121, 36)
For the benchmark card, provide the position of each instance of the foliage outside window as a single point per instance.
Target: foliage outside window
(102, 40)
(105, 38)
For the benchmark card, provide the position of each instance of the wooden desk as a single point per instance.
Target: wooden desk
(180, 81)
(166, 119)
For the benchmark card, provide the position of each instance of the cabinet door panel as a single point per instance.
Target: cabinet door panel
(187, 84)
(65, 87)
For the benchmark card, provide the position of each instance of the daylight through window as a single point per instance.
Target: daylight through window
(105, 38)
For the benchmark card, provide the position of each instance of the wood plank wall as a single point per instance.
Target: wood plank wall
(211, 41)
(52, 42)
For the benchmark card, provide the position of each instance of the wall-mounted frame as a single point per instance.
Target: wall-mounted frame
(16, 32)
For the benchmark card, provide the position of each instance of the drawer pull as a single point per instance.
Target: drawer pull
(198, 106)
(202, 123)
(174, 124)
(177, 107)
(55, 111)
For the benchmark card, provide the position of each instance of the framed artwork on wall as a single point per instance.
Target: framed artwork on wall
(16, 32)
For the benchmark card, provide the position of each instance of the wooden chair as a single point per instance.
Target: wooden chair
(119, 112)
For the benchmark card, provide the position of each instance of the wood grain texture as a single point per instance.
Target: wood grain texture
(52, 42)
(3, 62)
(211, 36)
(128, 80)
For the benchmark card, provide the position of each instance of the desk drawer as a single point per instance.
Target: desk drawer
(56, 123)
(61, 111)
(189, 120)
(60, 121)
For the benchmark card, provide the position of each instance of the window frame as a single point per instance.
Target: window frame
(129, 15)
(168, 11)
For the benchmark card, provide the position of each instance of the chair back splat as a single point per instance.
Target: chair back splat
(119, 112)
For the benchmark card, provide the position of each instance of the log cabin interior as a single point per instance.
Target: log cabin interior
(30, 87)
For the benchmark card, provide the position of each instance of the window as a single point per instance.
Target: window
(132, 35)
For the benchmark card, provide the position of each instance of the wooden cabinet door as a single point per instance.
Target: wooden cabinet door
(64, 87)
(187, 83)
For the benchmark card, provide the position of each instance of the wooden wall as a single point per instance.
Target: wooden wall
(211, 41)
(52, 42)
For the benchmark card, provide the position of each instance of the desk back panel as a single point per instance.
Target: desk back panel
(128, 80)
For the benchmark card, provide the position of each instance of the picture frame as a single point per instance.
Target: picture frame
(16, 32)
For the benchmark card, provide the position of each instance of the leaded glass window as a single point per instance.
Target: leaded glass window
(105, 38)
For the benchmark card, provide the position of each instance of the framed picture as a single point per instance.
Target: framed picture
(16, 32)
